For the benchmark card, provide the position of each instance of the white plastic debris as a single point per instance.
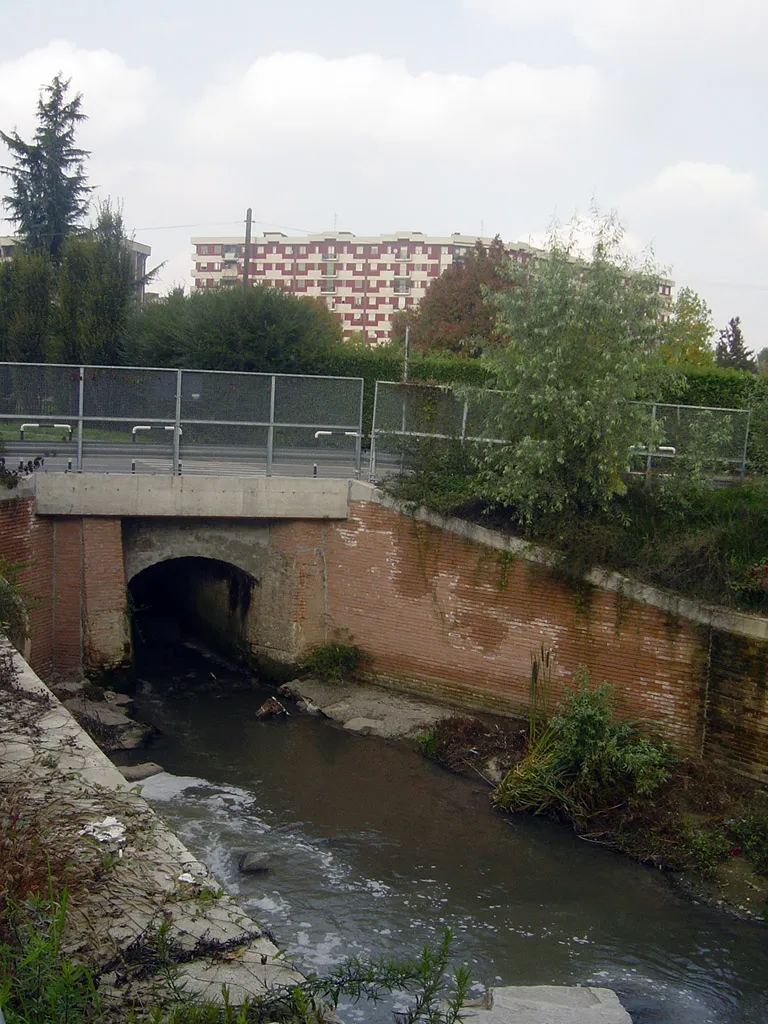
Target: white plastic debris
(186, 877)
(108, 831)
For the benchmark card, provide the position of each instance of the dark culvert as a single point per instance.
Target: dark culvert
(187, 609)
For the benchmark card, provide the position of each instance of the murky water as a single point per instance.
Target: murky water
(374, 849)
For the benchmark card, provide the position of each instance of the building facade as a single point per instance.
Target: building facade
(365, 280)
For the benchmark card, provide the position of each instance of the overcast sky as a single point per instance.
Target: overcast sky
(433, 115)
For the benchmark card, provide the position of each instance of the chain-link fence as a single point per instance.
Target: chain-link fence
(144, 420)
(678, 436)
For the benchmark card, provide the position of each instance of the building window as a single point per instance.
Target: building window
(374, 250)
(331, 250)
(260, 251)
(358, 267)
(302, 267)
(289, 250)
(359, 250)
(358, 300)
(302, 250)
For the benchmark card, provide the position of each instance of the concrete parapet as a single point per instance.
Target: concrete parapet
(126, 495)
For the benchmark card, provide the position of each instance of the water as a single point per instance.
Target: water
(374, 849)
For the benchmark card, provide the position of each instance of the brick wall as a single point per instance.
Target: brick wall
(76, 581)
(444, 616)
(25, 538)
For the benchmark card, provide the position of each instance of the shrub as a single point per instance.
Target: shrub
(581, 760)
(333, 661)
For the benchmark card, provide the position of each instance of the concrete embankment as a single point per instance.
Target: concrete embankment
(142, 881)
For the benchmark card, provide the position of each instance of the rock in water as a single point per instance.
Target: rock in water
(139, 772)
(108, 725)
(271, 708)
(253, 862)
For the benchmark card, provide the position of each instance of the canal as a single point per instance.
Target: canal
(374, 850)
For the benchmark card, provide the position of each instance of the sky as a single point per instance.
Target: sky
(431, 115)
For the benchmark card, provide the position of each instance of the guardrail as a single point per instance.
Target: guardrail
(148, 419)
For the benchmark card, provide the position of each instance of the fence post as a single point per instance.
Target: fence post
(271, 427)
(746, 444)
(359, 439)
(372, 456)
(649, 456)
(80, 408)
(175, 469)
(464, 421)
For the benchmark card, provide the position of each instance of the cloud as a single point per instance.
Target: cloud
(603, 24)
(116, 97)
(698, 185)
(306, 100)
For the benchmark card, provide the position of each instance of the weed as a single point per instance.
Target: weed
(583, 761)
(751, 833)
(38, 984)
(428, 742)
(707, 848)
(334, 661)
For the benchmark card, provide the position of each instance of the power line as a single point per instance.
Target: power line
(225, 223)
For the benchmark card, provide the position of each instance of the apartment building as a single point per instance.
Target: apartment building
(363, 279)
(140, 253)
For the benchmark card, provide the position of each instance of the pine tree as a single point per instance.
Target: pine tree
(731, 351)
(49, 190)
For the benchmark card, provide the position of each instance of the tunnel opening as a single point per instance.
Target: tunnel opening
(200, 605)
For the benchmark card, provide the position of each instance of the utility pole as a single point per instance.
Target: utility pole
(407, 352)
(247, 260)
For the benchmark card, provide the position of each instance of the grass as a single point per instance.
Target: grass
(9, 431)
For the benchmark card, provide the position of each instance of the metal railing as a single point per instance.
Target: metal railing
(674, 432)
(151, 420)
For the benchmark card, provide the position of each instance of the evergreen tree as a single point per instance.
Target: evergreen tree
(49, 190)
(96, 291)
(731, 351)
(27, 288)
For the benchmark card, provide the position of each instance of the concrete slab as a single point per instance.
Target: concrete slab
(547, 1004)
(368, 710)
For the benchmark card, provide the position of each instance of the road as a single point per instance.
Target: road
(114, 457)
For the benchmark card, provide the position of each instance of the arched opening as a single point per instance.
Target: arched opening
(192, 601)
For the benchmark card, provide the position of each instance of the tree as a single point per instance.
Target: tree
(27, 288)
(96, 289)
(731, 351)
(454, 315)
(262, 330)
(686, 336)
(762, 360)
(578, 335)
(49, 194)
